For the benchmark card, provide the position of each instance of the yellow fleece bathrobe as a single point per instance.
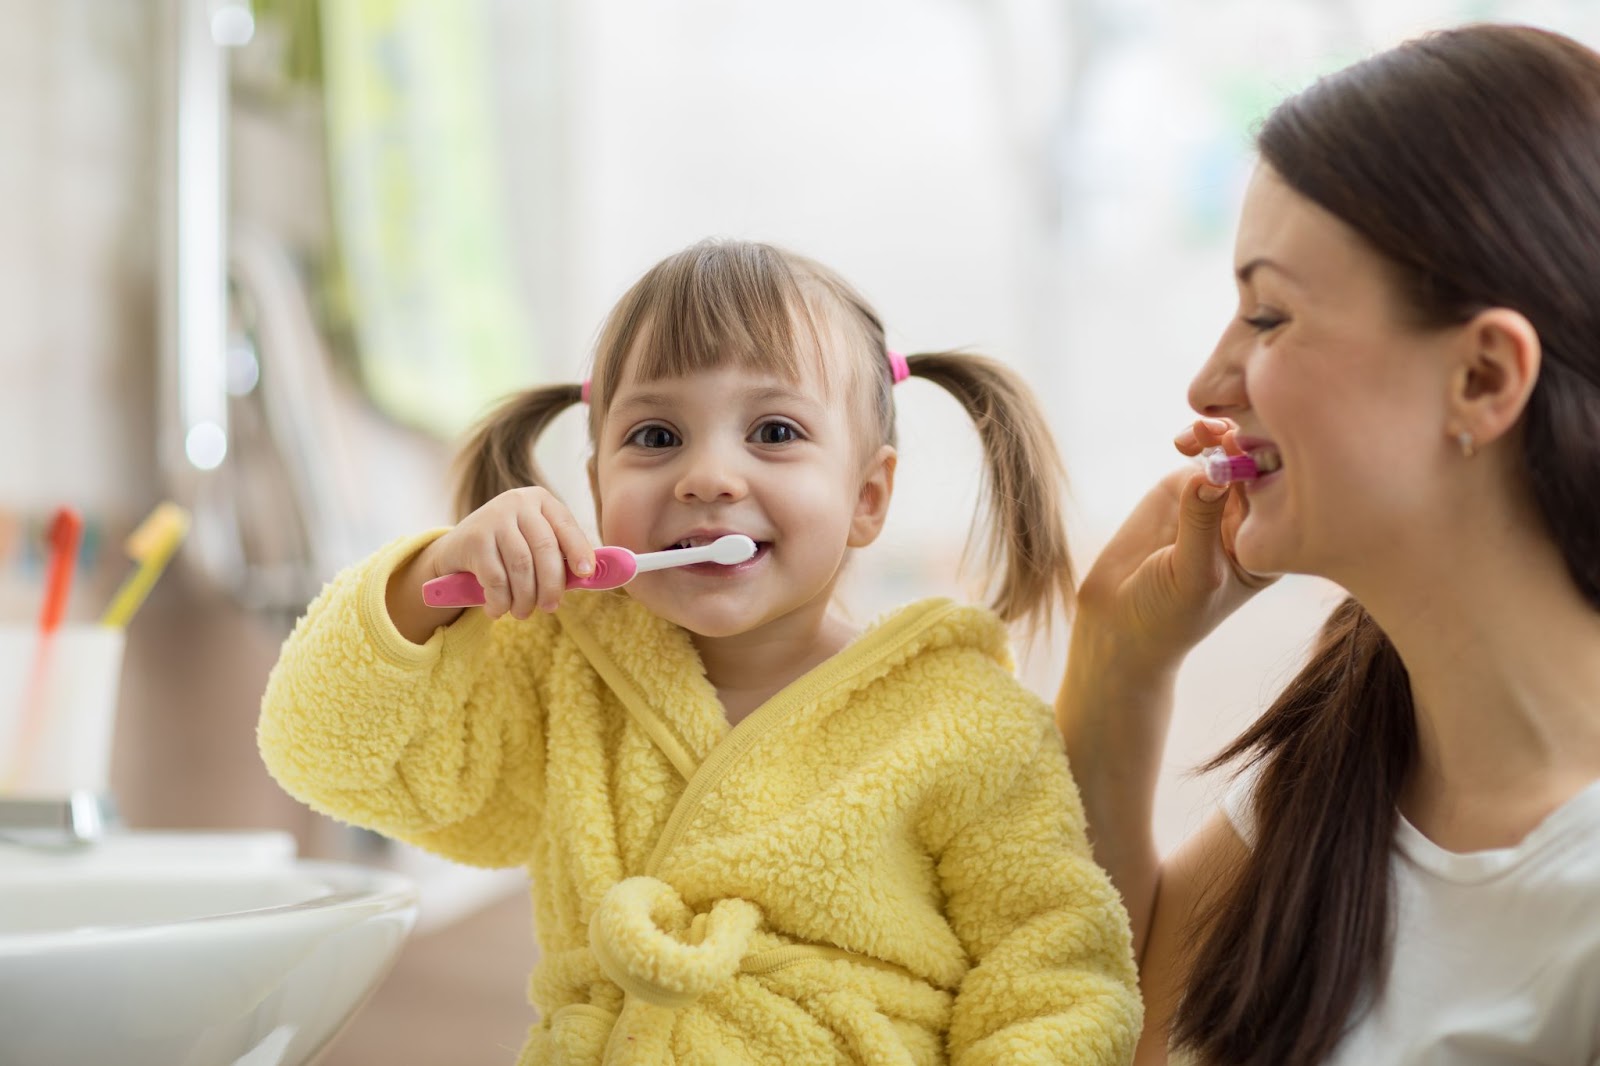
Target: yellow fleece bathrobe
(885, 863)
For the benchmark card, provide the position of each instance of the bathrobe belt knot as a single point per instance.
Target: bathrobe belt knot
(648, 940)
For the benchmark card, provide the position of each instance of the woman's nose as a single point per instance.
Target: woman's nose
(1217, 390)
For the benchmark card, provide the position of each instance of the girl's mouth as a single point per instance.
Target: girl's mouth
(726, 570)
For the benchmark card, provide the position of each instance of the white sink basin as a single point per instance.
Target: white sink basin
(179, 949)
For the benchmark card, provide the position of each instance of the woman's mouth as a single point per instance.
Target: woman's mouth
(1266, 458)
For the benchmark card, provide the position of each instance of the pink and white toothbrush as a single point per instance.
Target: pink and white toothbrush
(613, 568)
(1221, 468)
(1224, 469)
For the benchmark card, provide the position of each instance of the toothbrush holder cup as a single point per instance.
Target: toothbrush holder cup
(58, 701)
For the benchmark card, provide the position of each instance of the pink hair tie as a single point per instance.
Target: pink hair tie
(899, 369)
(583, 390)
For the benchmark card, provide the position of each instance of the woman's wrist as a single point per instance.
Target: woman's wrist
(1118, 663)
(1114, 710)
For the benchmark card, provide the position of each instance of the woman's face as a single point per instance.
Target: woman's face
(1322, 365)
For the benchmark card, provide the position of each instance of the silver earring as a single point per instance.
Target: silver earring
(1468, 446)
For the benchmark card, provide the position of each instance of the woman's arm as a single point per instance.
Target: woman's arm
(1165, 580)
(1114, 719)
(1186, 886)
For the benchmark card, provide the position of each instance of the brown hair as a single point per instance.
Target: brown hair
(1470, 159)
(718, 303)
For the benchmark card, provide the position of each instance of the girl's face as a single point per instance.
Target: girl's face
(682, 461)
(1322, 365)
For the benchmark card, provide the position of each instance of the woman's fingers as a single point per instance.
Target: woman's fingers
(1199, 555)
(1205, 433)
(1151, 527)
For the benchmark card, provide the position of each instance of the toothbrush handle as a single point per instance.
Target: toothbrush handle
(613, 567)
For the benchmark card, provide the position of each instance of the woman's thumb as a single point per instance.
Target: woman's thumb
(1198, 552)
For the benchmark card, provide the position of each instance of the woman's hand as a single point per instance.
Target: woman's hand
(1168, 577)
(518, 546)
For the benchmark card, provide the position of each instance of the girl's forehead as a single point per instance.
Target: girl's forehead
(819, 368)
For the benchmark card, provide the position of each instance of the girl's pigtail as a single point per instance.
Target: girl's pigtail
(500, 454)
(1026, 542)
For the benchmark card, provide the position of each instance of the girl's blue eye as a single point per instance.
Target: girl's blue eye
(653, 437)
(775, 433)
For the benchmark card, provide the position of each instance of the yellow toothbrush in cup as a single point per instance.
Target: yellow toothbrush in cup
(151, 546)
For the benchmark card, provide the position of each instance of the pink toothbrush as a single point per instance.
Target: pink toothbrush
(613, 568)
(1221, 468)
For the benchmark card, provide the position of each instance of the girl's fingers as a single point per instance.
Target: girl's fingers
(481, 558)
(576, 550)
(549, 569)
(516, 560)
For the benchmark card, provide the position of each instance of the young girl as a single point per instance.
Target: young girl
(1407, 872)
(754, 834)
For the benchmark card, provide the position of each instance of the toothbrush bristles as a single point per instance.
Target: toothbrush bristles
(733, 548)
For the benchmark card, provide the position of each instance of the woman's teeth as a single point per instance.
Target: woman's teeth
(1266, 459)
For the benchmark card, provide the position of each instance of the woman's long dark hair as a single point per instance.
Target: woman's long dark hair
(1470, 159)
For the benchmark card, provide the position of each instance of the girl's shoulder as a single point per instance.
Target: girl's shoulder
(941, 626)
(955, 661)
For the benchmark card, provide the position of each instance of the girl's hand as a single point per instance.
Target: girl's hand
(518, 546)
(1168, 577)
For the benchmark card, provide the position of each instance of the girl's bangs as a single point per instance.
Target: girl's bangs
(715, 307)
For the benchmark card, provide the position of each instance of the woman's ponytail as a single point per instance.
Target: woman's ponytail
(499, 455)
(1300, 941)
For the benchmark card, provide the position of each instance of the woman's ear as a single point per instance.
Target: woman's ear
(872, 502)
(1497, 369)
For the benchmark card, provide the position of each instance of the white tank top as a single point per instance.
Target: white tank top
(1496, 954)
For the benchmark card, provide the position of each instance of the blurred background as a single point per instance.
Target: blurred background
(269, 259)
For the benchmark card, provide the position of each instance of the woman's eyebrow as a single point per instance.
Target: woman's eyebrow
(1243, 273)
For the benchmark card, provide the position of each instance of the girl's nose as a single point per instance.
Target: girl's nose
(1217, 390)
(710, 473)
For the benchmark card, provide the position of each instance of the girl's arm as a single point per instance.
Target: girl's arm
(439, 744)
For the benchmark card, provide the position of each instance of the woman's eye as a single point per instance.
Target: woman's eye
(652, 437)
(1262, 323)
(775, 433)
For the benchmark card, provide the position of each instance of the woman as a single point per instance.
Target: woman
(1407, 870)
